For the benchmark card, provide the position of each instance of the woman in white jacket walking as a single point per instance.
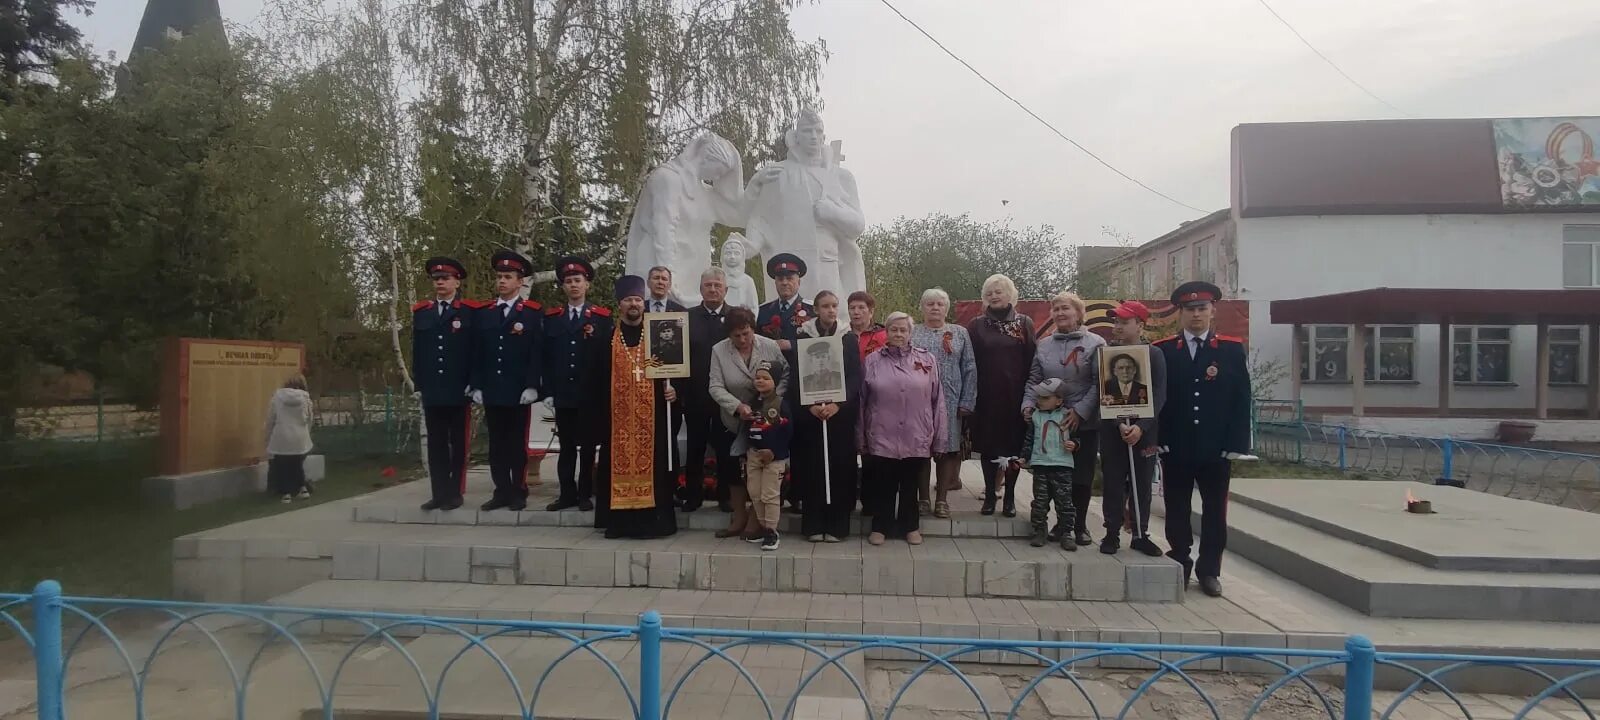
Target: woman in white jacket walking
(289, 440)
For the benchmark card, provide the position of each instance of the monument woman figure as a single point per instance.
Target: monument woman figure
(808, 205)
(681, 200)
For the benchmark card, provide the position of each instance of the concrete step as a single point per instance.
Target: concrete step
(961, 524)
(993, 618)
(1384, 585)
(581, 557)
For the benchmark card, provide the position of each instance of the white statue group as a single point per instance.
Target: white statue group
(805, 204)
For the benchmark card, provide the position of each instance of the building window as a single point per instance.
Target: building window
(1566, 356)
(1202, 263)
(1390, 353)
(1177, 267)
(1481, 354)
(1147, 279)
(1580, 256)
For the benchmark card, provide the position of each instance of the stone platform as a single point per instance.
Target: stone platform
(262, 558)
(402, 505)
(1480, 557)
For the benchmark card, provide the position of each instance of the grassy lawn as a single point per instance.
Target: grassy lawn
(86, 526)
(1277, 469)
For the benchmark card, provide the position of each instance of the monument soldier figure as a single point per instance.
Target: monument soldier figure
(1203, 427)
(505, 377)
(441, 359)
(577, 335)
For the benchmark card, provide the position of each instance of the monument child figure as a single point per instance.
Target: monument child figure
(741, 287)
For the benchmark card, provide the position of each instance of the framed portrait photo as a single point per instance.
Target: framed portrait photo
(1125, 386)
(666, 340)
(821, 362)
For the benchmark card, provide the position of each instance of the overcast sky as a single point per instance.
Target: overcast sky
(1152, 86)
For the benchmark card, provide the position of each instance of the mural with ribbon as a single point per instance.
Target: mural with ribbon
(1233, 316)
(1548, 161)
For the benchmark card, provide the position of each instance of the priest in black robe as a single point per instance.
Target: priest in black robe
(635, 482)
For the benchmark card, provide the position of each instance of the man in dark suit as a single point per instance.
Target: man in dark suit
(1123, 387)
(1204, 426)
(701, 412)
(505, 377)
(660, 283)
(577, 343)
(441, 364)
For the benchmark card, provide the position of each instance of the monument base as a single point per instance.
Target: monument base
(181, 492)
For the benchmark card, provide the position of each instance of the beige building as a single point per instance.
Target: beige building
(1203, 249)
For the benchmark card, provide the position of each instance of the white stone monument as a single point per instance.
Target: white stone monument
(681, 200)
(741, 287)
(808, 205)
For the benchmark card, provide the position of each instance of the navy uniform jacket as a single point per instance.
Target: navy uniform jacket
(576, 355)
(506, 360)
(442, 350)
(1207, 412)
(783, 326)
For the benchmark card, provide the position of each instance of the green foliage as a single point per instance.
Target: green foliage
(957, 253)
(35, 37)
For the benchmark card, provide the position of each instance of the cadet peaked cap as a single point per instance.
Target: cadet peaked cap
(445, 266)
(784, 263)
(574, 265)
(1195, 292)
(509, 261)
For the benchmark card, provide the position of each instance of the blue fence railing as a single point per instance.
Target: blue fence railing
(1546, 476)
(657, 663)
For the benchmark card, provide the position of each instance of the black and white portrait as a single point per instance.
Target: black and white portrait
(665, 336)
(821, 370)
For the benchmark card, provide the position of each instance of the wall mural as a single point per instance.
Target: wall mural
(1547, 161)
(1233, 316)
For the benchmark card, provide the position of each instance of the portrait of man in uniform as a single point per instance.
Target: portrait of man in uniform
(821, 370)
(665, 340)
(1125, 392)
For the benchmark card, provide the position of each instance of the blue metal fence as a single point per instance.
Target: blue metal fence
(1547, 476)
(61, 625)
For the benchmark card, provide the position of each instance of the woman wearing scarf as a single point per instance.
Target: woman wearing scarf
(1002, 347)
(1068, 354)
(958, 373)
(902, 426)
(822, 521)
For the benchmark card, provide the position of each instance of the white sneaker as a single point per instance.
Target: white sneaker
(286, 499)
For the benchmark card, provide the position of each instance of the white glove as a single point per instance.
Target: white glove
(1163, 450)
(476, 395)
(1238, 456)
(416, 395)
(529, 396)
(550, 402)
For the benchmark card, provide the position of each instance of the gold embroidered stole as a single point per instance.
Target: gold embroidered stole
(633, 428)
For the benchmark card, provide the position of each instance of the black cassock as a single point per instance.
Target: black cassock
(661, 520)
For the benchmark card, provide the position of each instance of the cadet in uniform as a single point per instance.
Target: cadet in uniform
(441, 359)
(781, 320)
(577, 346)
(1204, 425)
(505, 377)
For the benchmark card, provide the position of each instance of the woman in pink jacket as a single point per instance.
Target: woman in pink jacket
(902, 427)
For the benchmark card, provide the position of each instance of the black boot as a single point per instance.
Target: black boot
(1011, 493)
(988, 492)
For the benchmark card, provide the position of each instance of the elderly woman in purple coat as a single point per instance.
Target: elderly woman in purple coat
(902, 426)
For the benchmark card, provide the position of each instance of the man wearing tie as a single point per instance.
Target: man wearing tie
(441, 364)
(1203, 427)
(577, 338)
(700, 411)
(505, 377)
(660, 299)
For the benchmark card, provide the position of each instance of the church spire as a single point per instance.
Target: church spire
(166, 20)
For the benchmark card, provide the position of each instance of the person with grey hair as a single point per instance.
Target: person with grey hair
(701, 413)
(902, 426)
(1003, 344)
(958, 375)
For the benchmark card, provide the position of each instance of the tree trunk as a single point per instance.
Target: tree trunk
(399, 354)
